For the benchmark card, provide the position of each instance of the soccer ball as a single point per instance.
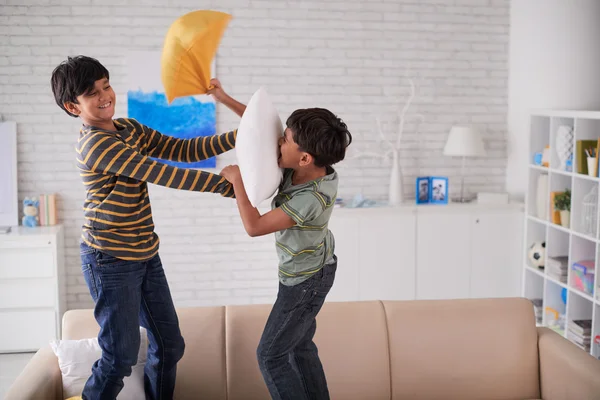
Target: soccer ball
(537, 254)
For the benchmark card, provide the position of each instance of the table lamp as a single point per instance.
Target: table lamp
(464, 141)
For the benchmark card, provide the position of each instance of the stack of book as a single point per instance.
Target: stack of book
(558, 268)
(580, 333)
(538, 310)
(47, 211)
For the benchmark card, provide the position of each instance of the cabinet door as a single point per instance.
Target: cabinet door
(387, 255)
(496, 251)
(443, 253)
(26, 330)
(344, 226)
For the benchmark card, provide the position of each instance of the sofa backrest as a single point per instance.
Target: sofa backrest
(352, 342)
(201, 371)
(463, 349)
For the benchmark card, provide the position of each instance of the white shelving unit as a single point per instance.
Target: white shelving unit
(580, 240)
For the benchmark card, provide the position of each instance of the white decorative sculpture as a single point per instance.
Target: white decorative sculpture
(395, 194)
(564, 145)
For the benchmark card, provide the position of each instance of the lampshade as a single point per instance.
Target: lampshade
(464, 141)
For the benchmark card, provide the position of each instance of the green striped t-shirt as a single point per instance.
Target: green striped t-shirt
(307, 246)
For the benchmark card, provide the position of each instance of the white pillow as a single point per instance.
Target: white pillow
(257, 148)
(76, 357)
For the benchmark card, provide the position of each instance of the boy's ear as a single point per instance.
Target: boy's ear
(72, 108)
(306, 159)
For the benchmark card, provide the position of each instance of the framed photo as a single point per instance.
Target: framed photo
(438, 190)
(422, 190)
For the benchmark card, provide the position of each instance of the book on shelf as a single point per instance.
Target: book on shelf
(581, 326)
(585, 348)
(558, 262)
(579, 332)
(560, 278)
(47, 211)
(557, 266)
(582, 340)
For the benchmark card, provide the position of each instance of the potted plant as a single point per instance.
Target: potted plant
(562, 203)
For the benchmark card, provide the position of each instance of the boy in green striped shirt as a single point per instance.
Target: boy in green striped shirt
(313, 141)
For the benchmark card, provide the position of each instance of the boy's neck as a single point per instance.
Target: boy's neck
(307, 174)
(106, 125)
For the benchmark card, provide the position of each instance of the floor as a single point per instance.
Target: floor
(11, 366)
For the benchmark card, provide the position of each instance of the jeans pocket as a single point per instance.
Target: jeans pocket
(313, 301)
(88, 275)
(104, 260)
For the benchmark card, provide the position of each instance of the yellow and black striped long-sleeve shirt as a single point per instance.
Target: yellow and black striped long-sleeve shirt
(115, 167)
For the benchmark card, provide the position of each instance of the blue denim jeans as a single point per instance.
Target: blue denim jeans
(287, 356)
(128, 294)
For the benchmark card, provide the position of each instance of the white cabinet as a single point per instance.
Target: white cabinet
(375, 250)
(387, 256)
(32, 287)
(345, 231)
(427, 252)
(443, 254)
(496, 272)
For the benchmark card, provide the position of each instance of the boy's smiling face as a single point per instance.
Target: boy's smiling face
(95, 107)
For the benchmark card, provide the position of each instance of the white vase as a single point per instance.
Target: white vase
(565, 218)
(395, 196)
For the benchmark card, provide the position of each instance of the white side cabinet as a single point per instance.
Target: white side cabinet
(443, 253)
(427, 252)
(376, 254)
(32, 287)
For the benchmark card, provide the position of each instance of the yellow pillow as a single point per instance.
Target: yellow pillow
(189, 48)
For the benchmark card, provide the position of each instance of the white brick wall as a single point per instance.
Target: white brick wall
(347, 56)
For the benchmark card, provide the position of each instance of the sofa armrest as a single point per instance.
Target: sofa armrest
(566, 371)
(41, 379)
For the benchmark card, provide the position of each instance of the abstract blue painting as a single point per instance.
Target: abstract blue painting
(184, 118)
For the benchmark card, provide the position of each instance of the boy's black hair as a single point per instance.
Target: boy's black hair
(321, 134)
(74, 77)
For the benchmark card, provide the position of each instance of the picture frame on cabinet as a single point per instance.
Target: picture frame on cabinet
(438, 190)
(422, 190)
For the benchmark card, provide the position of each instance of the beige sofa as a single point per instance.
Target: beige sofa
(457, 349)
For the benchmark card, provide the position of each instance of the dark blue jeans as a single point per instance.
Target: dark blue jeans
(128, 294)
(287, 356)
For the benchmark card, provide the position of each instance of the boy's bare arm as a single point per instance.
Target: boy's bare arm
(219, 94)
(103, 153)
(254, 223)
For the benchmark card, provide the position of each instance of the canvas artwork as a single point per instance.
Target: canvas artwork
(184, 118)
(9, 207)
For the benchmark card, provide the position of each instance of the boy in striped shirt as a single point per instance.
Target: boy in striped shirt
(119, 248)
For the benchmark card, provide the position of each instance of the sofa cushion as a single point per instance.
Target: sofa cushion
(463, 349)
(76, 357)
(352, 342)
